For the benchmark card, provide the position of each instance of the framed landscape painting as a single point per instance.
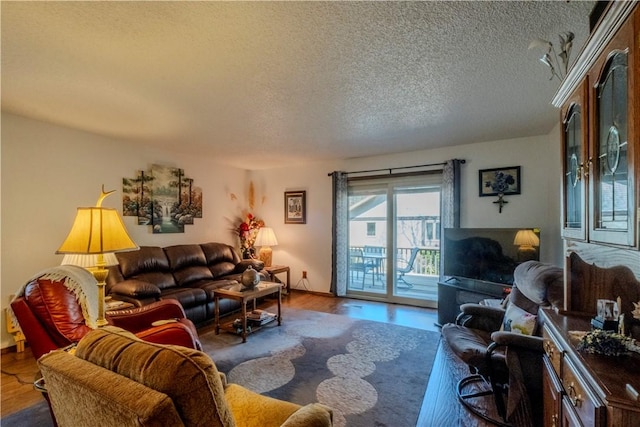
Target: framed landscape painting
(295, 207)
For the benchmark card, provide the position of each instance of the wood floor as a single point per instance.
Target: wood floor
(440, 406)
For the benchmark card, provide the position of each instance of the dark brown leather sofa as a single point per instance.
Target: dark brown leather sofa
(186, 273)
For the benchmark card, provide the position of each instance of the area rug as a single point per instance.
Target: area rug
(370, 373)
(37, 415)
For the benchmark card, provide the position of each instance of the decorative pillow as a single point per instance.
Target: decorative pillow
(519, 321)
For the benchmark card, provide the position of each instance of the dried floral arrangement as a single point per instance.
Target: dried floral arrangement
(247, 226)
(608, 343)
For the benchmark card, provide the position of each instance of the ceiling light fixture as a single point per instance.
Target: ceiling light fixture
(558, 63)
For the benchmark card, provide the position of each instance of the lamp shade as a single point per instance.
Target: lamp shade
(89, 260)
(266, 237)
(526, 238)
(97, 230)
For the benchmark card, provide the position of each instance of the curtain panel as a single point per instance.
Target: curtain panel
(340, 228)
(450, 217)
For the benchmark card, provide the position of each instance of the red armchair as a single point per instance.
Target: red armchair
(51, 317)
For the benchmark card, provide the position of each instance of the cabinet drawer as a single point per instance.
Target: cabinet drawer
(552, 350)
(578, 395)
(569, 416)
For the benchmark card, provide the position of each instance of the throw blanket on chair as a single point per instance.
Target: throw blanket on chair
(79, 281)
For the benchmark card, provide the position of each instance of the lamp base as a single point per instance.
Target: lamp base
(527, 253)
(265, 255)
(100, 273)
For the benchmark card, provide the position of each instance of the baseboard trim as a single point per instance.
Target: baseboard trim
(322, 294)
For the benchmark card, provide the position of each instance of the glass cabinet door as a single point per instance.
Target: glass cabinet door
(574, 151)
(612, 218)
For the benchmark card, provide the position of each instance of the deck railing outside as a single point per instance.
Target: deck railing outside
(427, 261)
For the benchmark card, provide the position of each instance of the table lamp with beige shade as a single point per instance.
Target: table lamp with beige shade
(527, 241)
(265, 239)
(96, 234)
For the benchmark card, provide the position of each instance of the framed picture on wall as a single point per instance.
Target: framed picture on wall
(295, 207)
(494, 182)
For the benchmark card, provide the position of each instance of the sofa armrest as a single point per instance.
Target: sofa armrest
(311, 415)
(245, 263)
(483, 310)
(172, 333)
(481, 317)
(137, 319)
(511, 339)
(134, 288)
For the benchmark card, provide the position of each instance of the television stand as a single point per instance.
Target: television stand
(454, 292)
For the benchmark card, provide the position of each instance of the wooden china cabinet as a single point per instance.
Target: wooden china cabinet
(599, 103)
(600, 140)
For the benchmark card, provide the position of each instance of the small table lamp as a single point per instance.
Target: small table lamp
(526, 240)
(265, 239)
(96, 234)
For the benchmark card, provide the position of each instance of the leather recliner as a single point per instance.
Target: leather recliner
(51, 317)
(503, 346)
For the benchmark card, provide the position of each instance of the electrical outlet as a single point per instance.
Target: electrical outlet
(304, 274)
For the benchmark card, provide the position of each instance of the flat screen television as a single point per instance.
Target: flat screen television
(486, 254)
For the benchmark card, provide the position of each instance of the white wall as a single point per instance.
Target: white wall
(48, 171)
(308, 247)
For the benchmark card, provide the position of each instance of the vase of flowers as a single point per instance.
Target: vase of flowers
(247, 232)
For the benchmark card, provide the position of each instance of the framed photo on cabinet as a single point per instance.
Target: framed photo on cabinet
(295, 207)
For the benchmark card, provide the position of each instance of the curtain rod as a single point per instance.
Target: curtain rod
(404, 167)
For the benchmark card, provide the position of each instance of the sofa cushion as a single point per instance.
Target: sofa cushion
(221, 269)
(188, 377)
(253, 409)
(188, 264)
(220, 258)
(147, 259)
(136, 288)
(187, 297)
(58, 309)
(163, 280)
(470, 345)
(219, 252)
(181, 256)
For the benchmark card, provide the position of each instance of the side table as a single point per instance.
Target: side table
(236, 292)
(277, 269)
(115, 305)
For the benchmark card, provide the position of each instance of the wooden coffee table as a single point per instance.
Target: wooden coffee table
(236, 292)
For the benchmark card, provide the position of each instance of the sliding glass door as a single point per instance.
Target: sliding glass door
(394, 238)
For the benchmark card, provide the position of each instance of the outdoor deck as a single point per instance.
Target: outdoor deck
(420, 282)
(424, 287)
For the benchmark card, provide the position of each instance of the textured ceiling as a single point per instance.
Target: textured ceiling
(286, 81)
